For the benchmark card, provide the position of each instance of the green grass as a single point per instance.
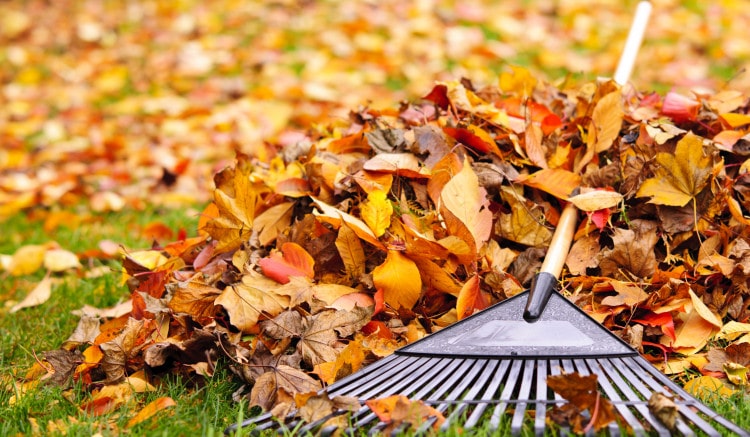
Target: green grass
(203, 408)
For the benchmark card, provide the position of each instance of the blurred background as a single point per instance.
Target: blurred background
(124, 102)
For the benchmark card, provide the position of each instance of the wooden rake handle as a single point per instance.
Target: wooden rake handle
(545, 281)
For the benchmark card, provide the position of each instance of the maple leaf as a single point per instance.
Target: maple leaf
(236, 197)
(246, 301)
(582, 394)
(678, 177)
(633, 251)
(397, 410)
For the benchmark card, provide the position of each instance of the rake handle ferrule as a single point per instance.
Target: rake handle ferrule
(544, 282)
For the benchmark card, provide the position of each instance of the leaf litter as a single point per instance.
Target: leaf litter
(331, 245)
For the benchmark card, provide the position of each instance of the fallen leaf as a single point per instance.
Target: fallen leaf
(150, 410)
(247, 300)
(467, 201)
(596, 199)
(628, 294)
(397, 410)
(471, 298)
(708, 388)
(604, 128)
(283, 380)
(633, 252)
(27, 260)
(679, 177)
(376, 211)
(292, 260)
(399, 279)
(664, 409)
(39, 295)
(351, 252)
(581, 392)
(524, 224)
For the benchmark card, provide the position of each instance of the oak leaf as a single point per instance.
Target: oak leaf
(679, 177)
(399, 279)
(237, 198)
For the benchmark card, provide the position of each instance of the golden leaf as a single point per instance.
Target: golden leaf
(399, 279)
(270, 222)
(376, 211)
(246, 301)
(606, 121)
(351, 252)
(151, 409)
(467, 201)
(524, 223)
(680, 177)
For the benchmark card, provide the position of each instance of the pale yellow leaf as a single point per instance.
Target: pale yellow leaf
(40, 294)
(270, 222)
(732, 330)
(59, 260)
(465, 199)
(596, 200)
(27, 259)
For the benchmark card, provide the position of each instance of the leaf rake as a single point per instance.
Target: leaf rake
(492, 367)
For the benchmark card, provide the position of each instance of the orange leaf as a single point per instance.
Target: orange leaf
(399, 278)
(663, 320)
(471, 298)
(466, 200)
(555, 181)
(293, 260)
(149, 410)
(398, 409)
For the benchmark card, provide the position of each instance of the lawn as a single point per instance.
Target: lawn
(115, 118)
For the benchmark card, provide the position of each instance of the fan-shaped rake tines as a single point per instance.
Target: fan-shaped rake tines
(491, 372)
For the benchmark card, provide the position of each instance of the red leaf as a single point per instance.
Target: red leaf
(292, 260)
(679, 107)
(663, 320)
(439, 96)
(600, 218)
(378, 327)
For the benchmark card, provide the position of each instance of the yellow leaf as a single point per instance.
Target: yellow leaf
(524, 223)
(733, 330)
(351, 252)
(466, 200)
(556, 181)
(376, 211)
(680, 177)
(735, 120)
(596, 200)
(519, 81)
(152, 408)
(736, 373)
(59, 260)
(698, 328)
(336, 217)
(272, 221)
(606, 121)
(708, 388)
(40, 294)
(399, 279)
(236, 198)
(246, 301)
(27, 259)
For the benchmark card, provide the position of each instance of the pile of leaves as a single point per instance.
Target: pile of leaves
(369, 234)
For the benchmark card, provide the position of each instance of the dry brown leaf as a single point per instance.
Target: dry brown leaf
(632, 253)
